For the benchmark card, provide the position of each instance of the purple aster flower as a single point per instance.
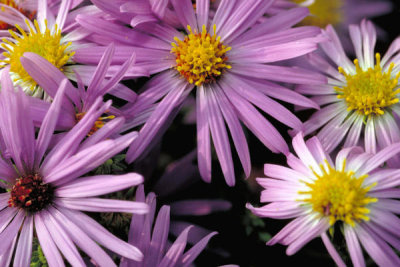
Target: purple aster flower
(154, 243)
(353, 192)
(55, 38)
(81, 99)
(361, 97)
(45, 191)
(224, 58)
(340, 13)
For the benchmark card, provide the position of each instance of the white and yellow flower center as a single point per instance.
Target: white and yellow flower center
(369, 91)
(45, 43)
(322, 12)
(200, 57)
(339, 195)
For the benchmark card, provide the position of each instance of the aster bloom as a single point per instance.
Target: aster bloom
(45, 191)
(340, 13)
(224, 59)
(154, 243)
(55, 39)
(361, 97)
(353, 192)
(80, 99)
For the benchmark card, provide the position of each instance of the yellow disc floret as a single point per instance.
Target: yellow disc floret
(339, 195)
(369, 91)
(200, 57)
(45, 43)
(322, 12)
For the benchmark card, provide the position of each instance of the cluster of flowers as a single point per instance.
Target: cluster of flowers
(237, 57)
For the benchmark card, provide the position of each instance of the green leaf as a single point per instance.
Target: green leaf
(264, 236)
(38, 259)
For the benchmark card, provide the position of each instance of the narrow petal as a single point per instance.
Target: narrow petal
(279, 73)
(159, 238)
(88, 159)
(332, 251)
(191, 254)
(283, 20)
(48, 77)
(68, 145)
(80, 238)
(304, 153)
(102, 205)
(49, 123)
(273, 53)
(62, 13)
(6, 257)
(24, 248)
(379, 158)
(100, 71)
(121, 33)
(6, 216)
(8, 234)
(354, 247)
(110, 128)
(98, 185)
(278, 210)
(47, 244)
(344, 155)
(263, 102)
(335, 131)
(62, 240)
(16, 124)
(220, 137)
(155, 122)
(203, 136)
(202, 9)
(379, 251)
(284, 173)
(102, 236)
(289, 230)
(238, 137)
(256, 122)
(312, 232)
(185, 13)
(172, 257)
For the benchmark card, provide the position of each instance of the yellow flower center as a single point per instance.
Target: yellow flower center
(97, 124)
(45, 43)
(13, 4)
(339, 195)
(200, 57)
(323, 12)
(369, 91)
